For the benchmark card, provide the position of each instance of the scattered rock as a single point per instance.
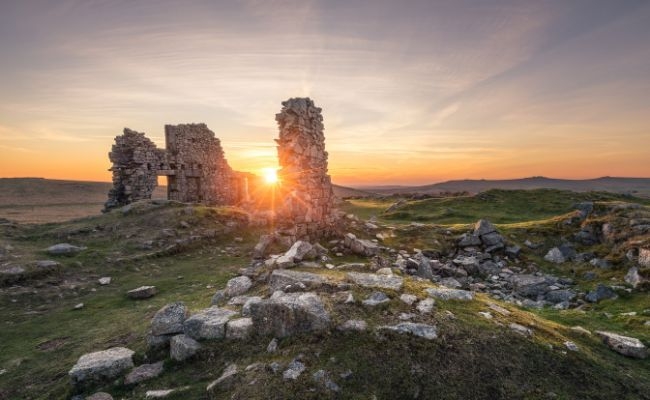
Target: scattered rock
(571, 346)
(64, 249)
(529, 285)
(169, 319)
(100, 396)
(581, 330)
(376, 281)
(240, 328)
(182, 347)
(322, 378)
(520, 329)
(294, 370)
(560, 296)
(159, 394)
(555, 256)
(426, 306)
(357, 325)
(421, 330)
(227, 379)
(483, 227)
(47, 264)
(450, 294)
(78, 306)
(632, 277)
(285, 314)
(273, 346)
(644, 257)
(602, 292)
(408, 298)
(600, 263)
(209, 323)
(237, 286)
(101, 366)
(485, 314)
(144, 372)
(143, 292)
(106, 280)
(361, 247)
(627, 346)
(375, 299)
(289, 280)
(499, 309)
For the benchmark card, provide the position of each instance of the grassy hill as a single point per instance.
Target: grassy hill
(473, 358)
(637, 186)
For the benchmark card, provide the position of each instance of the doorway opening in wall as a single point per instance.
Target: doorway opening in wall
(160, 192)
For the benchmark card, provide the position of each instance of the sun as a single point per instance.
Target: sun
(270, 175)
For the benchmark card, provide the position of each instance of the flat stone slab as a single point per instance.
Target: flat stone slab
(237, 286)
(285, 314)
(143, 292)
(64, 249)
(376, 281)
(169, 319)
(425, 331)
(283, 279)
(240, 328)
(625, 345)
(208, 324)
(143, 372)
(101, 365)
(450, 294)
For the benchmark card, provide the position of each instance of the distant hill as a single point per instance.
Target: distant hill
(637, 186)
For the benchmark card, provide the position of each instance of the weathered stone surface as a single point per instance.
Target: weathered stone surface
(237, 286)
(47, 264)
(285, 314)
(100, 396)
(226, 380)
(302, 156)
(602, 292)
(520, 329)
(289, 280)
(322, 378)
(450, 294)
(644, 257)
(632, 277)
(240, 328)
(425, 331)
(294, 370)
(375, 299)
(300, 250)
(101, 366)
(143, 372)
(361, 247)
(628, 346)
(483, 227)
(376, 281)
(159, 394)
(209, 323)
(64, 249)
(105, 280)
(157, 341)
(555, 256)
(408, 298)
(426, 306)
(469, 240)
(357, 325)
(492, 239)
(529, 285)
(143, 292)
(182, 347)
(169, 319)
(559, 296)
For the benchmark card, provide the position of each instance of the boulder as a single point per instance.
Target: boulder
(260, 248)
(375, 299)
(408, 298)
(285, 314)
(492, 239)
(376, 281)
(100, 396)
(209, 323)
(600, 263)
(301, 250)
(361, 247)
(226, 381)
(426, 306)
(104, 280)
(425, 331)
(101, 366)
(64, 249)
(520, 329)
(182, 347)
(602, 292)
(143, 292)
(169, 319)
(237, 286)
(632, 277)
(286, 280)
(560, 296)
(469, 240)
(294, 370)
(357, 325)
(483, 227)
(627, 346)
(555, 256)
(143, 372)
(240, 328)
(450, 294)
(529, 285)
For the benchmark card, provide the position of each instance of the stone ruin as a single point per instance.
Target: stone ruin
(309, 197)
(197, 171)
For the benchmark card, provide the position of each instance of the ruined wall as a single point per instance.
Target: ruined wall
(135, 159)
(197, 169)
(309, 197)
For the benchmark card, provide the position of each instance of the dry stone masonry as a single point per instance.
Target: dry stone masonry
(301, 151)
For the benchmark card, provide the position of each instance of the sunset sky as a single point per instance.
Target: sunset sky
(412, 92)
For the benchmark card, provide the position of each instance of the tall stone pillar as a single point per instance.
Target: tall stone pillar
(306, 187)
